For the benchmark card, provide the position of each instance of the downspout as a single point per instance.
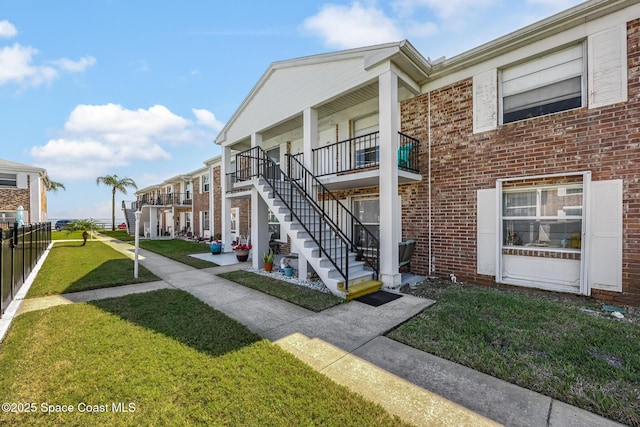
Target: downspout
(431, 267)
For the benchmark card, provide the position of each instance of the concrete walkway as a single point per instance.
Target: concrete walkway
(347, 343)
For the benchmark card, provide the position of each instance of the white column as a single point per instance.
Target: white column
(259, 228)
(389, 200)
(310, 135)
(211, 217)
(174, 228)
(256, 141)
(310, 141)
(137, 244)
(225, 208)
(153, 222)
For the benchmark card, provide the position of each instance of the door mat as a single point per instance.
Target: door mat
(377, 298)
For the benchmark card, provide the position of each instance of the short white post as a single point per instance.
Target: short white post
(137, 243)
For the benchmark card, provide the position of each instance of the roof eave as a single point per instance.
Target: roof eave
(545, 28)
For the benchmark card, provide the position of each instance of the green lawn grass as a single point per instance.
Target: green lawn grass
(169, 359)
(121, 235)
(66, 235)
(71, 267)
(299, 295)
(179, 250)
(543, 343)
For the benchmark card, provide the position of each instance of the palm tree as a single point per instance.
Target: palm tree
(85, 225)
(54, 186)
(116, 184)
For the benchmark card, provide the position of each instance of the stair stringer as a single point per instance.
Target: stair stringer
(130, 220)
(308, 247)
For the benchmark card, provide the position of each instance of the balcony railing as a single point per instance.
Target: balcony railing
(166, 199)
(363, 153)
(408, 153)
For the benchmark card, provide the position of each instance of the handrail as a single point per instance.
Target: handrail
(408, 153)
(166, 199)
(363, 153)
(255, 162)
(341, 217)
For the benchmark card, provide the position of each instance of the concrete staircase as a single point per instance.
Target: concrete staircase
(335, 257)
(129, 219)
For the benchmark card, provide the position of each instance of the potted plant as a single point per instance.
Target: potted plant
(285, 267)
(215, 244)
(242, 251)
(288, 271)
(267, 259)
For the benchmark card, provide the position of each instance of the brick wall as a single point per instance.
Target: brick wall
(11, 198)
(243, 204)
(604, 141)
(200, 203)
(216, 187)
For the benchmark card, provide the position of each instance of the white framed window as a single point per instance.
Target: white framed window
(546, 85)
(205, 183)
(235, 218)
(543, 217)
(367, 210)
(7, 217)
(187, 221)
(364, 132)
(205, 220)
(9, 180)
(274, 228)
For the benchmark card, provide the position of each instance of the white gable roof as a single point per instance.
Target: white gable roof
(19, 167)
(289, 87)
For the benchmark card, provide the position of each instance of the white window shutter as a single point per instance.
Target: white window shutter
(608, 66)
(486, 246)
(21, 180)
(485, 101)
(605, 251)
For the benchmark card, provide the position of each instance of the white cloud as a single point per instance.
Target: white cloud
(7, 29)
(16, 66)
(116, 123)
(100, 138)
(208, 119)
(421, 29)
(555, 4)
(449, 9)
(141, 66)
(71, 66)
(17, 63)
(351, 26)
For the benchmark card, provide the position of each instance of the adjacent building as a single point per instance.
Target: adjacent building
(516, 162)
(26, 186)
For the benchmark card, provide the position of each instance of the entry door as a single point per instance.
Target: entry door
(235, 223)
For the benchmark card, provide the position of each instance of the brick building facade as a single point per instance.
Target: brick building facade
(22, 185)
(601, 140)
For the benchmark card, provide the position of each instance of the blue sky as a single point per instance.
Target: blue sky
(140, 88)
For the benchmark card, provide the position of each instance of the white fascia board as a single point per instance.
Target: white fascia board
(213, 160)
(558, 31)
(368, 51)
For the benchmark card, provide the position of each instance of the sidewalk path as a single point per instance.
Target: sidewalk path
(347, 343)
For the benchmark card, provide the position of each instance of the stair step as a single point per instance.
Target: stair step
(363, 288)
(356, 273)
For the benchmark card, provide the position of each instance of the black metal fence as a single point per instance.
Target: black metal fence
(363, 153)
(20, 250)
(166, 199)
